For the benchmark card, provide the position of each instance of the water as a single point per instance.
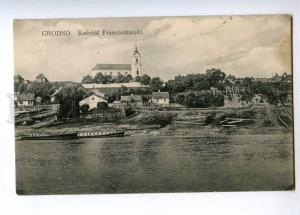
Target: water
(155, 164)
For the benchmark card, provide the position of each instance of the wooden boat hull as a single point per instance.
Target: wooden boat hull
(51, 137)
(100, 134)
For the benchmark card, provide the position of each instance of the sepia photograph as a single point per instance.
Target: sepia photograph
(153, 104)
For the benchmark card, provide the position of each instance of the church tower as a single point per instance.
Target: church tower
(136, 63)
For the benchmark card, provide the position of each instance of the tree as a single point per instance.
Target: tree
(99, 78)
(215, 77)
(43, 90)
(84, 109)
(102, 106)
(156, 84)
(137, 79)
(145, 79)
(87, 79)
(247, 82)
(68, 99)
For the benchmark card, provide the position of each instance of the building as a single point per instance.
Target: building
(234, 90)
(276, 79)
(234, 101)
(38, 100)
(98, 93)
(215, 91)
(41, 78)
(133, 69)
(133, 100)
(25, 99)
(160, 98)
(262, 80)
(53, 97)
(18, 79)
(258, 99)
(288, 78)
(92, 101)
(115, 85)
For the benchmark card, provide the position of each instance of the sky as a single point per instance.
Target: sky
(253, 46)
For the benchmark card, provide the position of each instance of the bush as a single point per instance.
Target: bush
(210, 118)
(267, 123)
(102, 106)
(218, 118)
(84, 109)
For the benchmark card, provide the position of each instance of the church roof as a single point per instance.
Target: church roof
(112, 67)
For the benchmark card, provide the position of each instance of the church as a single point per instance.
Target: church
(133, 69)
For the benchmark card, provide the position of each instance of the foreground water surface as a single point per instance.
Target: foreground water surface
(155, 164)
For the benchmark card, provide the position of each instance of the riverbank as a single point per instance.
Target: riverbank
(174, 123)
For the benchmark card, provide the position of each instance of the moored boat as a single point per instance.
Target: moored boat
(100, 134)
(63, 136)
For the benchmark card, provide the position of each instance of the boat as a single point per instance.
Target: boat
(64, 136)
(100, 134)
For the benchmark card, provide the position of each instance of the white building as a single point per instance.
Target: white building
(25, 99)
(161, 98)
(53, 97)
(133, 69)
(92, 101)
(115, 85)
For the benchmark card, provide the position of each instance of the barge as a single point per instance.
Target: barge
(100, 134)
(64, 136)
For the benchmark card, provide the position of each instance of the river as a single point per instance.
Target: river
(155, 164)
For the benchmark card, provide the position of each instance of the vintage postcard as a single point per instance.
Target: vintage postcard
(154, 104)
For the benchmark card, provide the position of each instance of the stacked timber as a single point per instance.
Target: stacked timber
(233, 122)
(199, 119)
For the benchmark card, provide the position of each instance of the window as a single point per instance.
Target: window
(93, 98)
(136, 60)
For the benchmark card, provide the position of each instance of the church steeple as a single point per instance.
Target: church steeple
(136, 63)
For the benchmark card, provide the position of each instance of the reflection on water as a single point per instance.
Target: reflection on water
(155, 164)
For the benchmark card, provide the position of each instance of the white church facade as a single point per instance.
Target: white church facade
(133, 69)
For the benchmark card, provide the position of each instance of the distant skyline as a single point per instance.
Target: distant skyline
(257, 46)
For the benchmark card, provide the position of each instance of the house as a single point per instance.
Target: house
(161, 98)
(98, 93)
(38, 100)
(92, 101)
(288, 78)
(258, 99)
(119, 105)
(53, 97)
(234, 101)
(234, 90)
(18, 79)
(276, 79)
(41, 78)
(215, 91)
(25, 99)
(133, 100)
(262, 80)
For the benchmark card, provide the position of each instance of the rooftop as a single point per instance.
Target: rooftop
(160, 95)
(40, 76)
(131, 98)
(115, 85)
(112, 67)
(26, 97)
